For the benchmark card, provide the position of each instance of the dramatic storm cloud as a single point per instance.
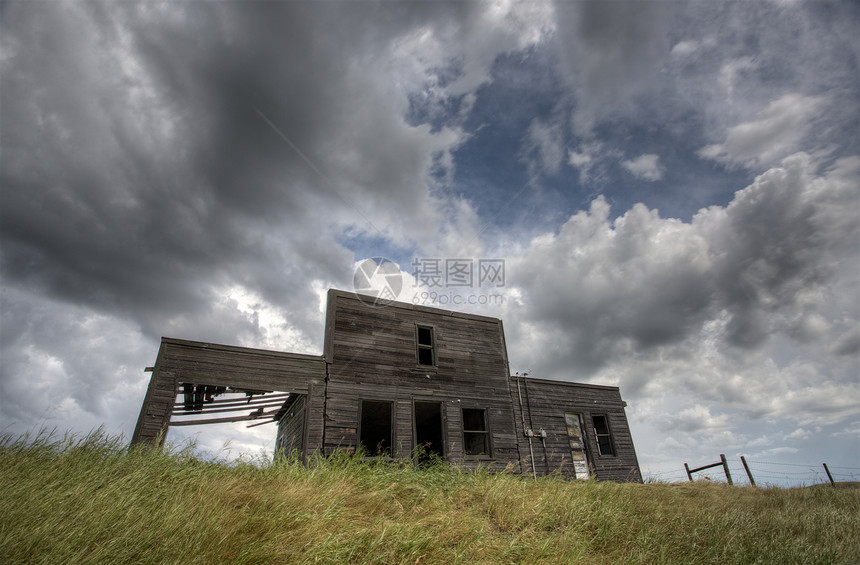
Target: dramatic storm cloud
(673, 188)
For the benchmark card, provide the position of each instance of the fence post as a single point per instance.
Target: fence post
(689, 474)
(747, 469)
(726, 468)
(829, 476)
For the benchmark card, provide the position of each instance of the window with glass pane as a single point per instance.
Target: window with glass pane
(601, 433)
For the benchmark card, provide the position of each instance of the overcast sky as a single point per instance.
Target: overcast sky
(673, 187)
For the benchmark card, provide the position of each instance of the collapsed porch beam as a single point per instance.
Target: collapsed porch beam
(250, 399)
(253, 416)
(181, 407)
(242, 408)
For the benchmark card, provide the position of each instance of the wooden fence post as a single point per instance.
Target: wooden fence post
(726, 468)
(829, 476)
(689, 474)
(747, 469)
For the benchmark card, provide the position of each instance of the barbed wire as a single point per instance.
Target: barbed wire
(798, 464)
(765, 473)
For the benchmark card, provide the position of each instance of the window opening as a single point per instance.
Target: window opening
(428, 429)
(375, 430)
(426, 354)
(604, 438)
(476, 437)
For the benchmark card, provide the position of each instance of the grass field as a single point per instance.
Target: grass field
(91, 500)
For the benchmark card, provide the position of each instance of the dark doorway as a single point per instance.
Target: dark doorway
(375, 431)
(428, 429)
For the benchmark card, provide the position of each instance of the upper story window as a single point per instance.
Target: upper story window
(426, 346)
(601, 433)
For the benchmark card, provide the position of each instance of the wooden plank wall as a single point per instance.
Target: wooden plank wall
(544, 404)
(181, 361)
(372, 355)
(291, 428)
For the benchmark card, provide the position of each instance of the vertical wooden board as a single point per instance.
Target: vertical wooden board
(315, 413)
(403, 428)
(454, 431)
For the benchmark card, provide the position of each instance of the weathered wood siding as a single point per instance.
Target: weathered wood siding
(544, 404)
(372, 355)
(291, 428)
(181, 361)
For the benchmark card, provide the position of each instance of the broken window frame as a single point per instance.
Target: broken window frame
(474, 433)
(425, 348)
(374, 452)
(603, 439)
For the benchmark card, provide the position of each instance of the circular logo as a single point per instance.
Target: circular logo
(377, 281)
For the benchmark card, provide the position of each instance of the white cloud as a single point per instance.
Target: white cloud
(592, 159)
(852, 429)
(734, 71)
(673, 445)
(698, 418)
(776, 132)
(463, 45)
(799, 433)
(778, 451)
(543, 149)
(645, 166)
(577, 159)
(759, 442)
(689, 316)
(684, 48)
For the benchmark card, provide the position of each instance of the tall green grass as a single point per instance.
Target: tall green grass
(89, 499)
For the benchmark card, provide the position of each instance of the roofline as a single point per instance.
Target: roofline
(566, 383)
(237, 348)
(417, 307)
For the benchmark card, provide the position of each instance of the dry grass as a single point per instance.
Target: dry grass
(90, 500)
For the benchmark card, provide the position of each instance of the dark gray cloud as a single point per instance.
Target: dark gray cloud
(612, 51)
(143, 174)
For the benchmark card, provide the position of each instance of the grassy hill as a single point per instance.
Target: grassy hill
(90, 500)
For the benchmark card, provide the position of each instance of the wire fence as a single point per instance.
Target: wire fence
(765, 473)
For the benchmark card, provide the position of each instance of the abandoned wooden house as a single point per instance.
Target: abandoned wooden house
(392, 378)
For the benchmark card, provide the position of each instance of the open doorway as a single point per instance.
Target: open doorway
(375, 431)
(428, 429)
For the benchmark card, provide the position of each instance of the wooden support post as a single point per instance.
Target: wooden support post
(747, 469)
(726, 468)
(689, 474)
(829, 476)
